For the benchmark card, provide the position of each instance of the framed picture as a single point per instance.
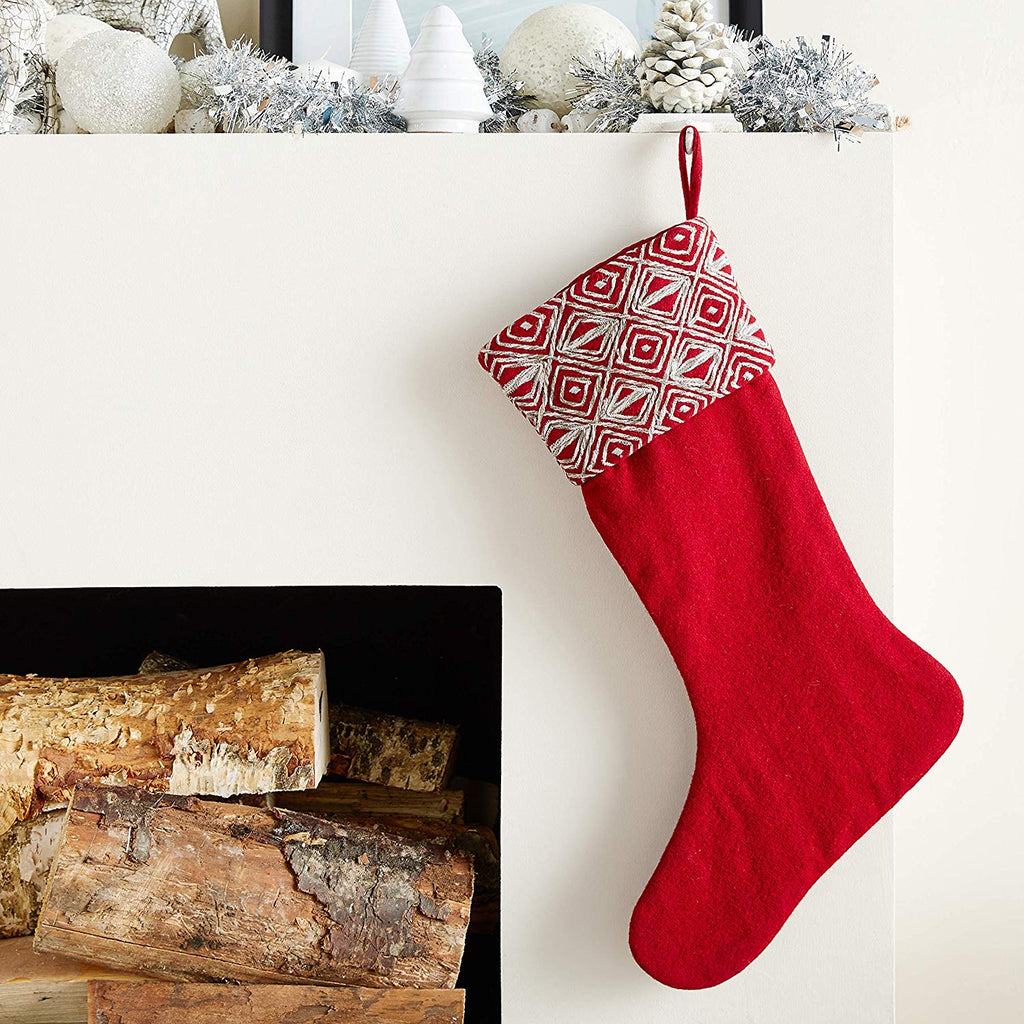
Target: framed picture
(496, 20)
(307, 30)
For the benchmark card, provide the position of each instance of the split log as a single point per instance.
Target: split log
(252, 727)
(340, 800)
(36, 988)
(190, 889)
(26, 853)
(401, 752)
(156, 1002)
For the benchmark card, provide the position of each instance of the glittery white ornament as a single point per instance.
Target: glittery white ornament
(193, 122)
(66, 29)
(118, 83)
(540, 51)
(540, 122)
(194, 76)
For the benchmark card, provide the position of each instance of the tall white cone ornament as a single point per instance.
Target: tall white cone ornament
(442, 90)
(382, 46)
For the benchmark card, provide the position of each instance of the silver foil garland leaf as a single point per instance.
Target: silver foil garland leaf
(504, 94)
(161, 20)
(245, 90)
(796, 87)
(608, 87)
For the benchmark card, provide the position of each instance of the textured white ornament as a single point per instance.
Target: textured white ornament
(66, 124)
(541, 122)
(65, 29)
(540, 51)
(382, 47)
(194, 76)
(579, 120)
(326, 71)
(193, 122)
(442, 90)
(118, 83)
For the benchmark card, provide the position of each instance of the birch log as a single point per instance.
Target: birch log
(401, 752)
(155, 1002)
(194, 890)
(26, 852)
(253, 727)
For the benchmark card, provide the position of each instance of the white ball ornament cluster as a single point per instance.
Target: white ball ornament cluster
(118, 82)
(541, 50)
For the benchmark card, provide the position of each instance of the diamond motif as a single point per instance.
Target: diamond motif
(633, 347)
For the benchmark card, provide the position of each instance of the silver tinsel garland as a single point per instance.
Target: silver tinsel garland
(796, 87)
(243, 89)
(504, 94)
(607, 87)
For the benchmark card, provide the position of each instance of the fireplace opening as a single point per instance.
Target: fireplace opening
(430, 654)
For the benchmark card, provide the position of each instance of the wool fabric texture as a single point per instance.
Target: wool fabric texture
(814, 714)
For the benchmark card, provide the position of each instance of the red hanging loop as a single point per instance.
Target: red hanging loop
(689, 141)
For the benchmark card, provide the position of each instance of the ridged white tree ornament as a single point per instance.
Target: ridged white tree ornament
(382, 47)
(442, 90)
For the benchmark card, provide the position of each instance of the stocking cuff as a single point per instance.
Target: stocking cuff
(632, 348)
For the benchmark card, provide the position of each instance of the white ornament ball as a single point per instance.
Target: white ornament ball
(66, 29)
(540, 51)
(118, 83)
(194, 75)
(66, 123)
(540, 122)
(193, 122)
(579, 120)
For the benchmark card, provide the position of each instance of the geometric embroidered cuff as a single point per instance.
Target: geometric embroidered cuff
(636, 345)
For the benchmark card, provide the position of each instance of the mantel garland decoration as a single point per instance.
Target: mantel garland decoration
(690, 65)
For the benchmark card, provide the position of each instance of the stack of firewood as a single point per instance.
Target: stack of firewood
(174, 825)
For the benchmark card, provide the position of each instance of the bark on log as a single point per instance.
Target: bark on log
(477, 841)
(191, 889)
(341, 800)
(253, 727)
(371, 746)
(155, 1002)
(26, 853)
(36, 988)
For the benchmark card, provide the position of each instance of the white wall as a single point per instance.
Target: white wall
(956, 70)
(251, 360)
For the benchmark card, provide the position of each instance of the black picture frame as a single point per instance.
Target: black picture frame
(276, 27)
(747, 15)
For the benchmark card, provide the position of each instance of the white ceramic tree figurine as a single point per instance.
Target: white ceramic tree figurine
(442, 90)
(382, 46)
(687, 66)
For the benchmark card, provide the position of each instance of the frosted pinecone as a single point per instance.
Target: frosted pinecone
(688, 65)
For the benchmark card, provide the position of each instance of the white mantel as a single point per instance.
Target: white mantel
(251, 360)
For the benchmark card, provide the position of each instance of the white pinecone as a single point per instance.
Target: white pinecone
(687, 67)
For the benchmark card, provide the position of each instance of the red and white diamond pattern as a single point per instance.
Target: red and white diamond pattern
(634, 346)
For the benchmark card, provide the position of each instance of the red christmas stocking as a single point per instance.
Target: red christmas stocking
(648, 379)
